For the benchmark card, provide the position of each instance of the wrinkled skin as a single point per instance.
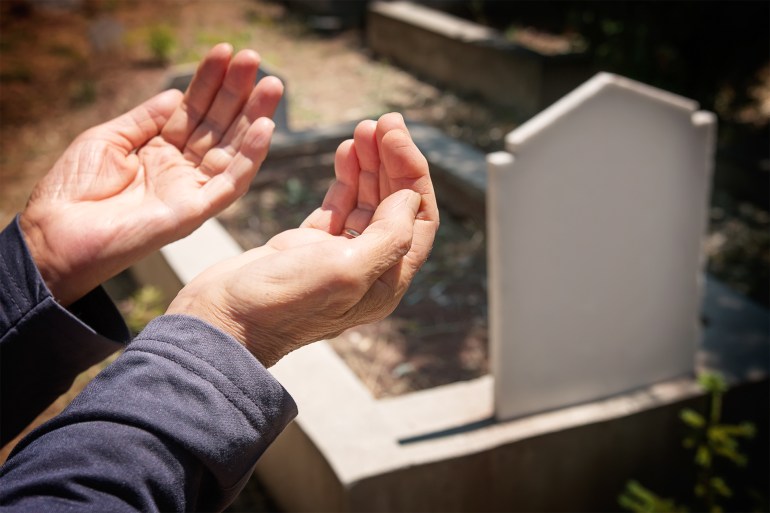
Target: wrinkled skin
(315, 281)
(127, 187)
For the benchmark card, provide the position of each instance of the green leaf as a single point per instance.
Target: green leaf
(718, 485)
(703, 456)
(712, 382)
(732, 455)
(744, 429)
(692, 418)
(639, 499)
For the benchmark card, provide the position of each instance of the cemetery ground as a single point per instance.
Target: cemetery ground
(54, 85)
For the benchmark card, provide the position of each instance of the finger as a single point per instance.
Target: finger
(406, 168)
(346, 269)
(369, 161)
(233, 182)
(262, 102)
(395, 217)
(342, 195)
(226, 106)
(142, 123)
(197, 99)
(387, 123)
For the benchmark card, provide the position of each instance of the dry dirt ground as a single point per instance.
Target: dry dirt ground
(63, 70)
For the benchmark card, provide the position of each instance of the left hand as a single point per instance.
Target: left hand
(126, 188)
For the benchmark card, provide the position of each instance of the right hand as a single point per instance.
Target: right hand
(127, 187)
(313, 282)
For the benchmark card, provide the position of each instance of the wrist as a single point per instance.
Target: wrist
(202, 307)
(37, 245)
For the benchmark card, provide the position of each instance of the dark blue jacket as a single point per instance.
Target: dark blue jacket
(176, 423)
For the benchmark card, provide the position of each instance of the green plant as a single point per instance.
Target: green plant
(712, 442)
(83, 93)
(161, 41)
(296, 192)
(144, 305)
(639, 499)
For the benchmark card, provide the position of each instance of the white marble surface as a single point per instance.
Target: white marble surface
(595, 218)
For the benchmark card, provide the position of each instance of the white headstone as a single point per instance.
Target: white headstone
(595, 218)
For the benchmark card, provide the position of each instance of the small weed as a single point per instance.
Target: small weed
(296, 192)
(83, 94)
(713, 443)
(161, 41)
(143, 306)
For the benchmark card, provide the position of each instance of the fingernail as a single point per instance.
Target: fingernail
(414, 201)
(225, 46)
(266, 124)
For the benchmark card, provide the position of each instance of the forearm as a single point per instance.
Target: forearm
(44, 346)
(177, 422)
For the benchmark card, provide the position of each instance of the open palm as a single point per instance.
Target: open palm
(127, 187)
(349, 263)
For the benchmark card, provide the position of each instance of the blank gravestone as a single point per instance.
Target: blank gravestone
(595, 215)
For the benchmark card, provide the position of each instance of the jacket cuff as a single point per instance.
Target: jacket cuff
(39, 337)
(237, 430)
(94, 315)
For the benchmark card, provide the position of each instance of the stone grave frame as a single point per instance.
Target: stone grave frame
(442, 449)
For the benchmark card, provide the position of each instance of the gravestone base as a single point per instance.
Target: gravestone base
(441, 449)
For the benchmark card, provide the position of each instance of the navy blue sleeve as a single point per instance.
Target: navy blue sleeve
(44, 346)
(176, 423)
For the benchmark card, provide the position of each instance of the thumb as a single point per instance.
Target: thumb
(389, 235)
(137, 126)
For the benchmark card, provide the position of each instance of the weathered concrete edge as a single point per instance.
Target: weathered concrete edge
(382, 426)
(377, 429)
(343, 437)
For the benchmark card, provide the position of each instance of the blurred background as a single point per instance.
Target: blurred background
(66, 65)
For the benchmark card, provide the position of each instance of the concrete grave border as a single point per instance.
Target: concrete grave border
(442, 449)
(438, 449)
(461, 55)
